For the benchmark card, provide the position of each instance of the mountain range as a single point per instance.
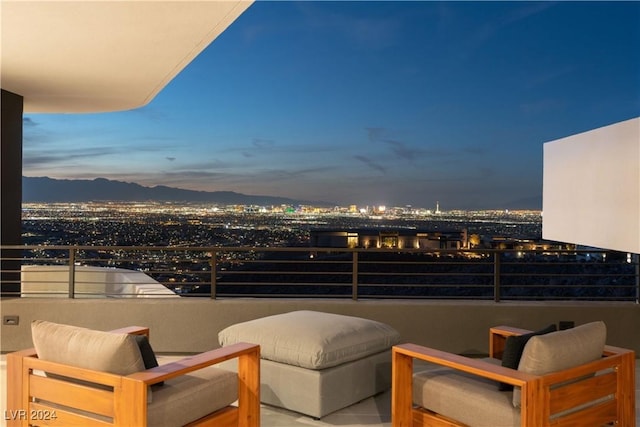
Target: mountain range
(44, 189)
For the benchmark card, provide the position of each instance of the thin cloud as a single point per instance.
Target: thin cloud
(373, 165)
(41, 157)
(190, 180)
(28, 122)
(258, 145)
(188, 175)
(372, 33)
(401, 150)
(297, 173)
(251, 33)
(549, 75)
(514, 16)
(527, 10)
(542, 106)
(486, 172)
(213, 180)
(475, 150)
(276, 175)
(479, 36)
(34, 134)
(363, 32)
(39, 160)
(263, 143)
(375, 133)
(207, 166)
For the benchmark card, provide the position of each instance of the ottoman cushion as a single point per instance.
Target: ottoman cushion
(311, 339)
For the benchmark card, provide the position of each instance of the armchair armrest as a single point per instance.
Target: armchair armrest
(408, 352)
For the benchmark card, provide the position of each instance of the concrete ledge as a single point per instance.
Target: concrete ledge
(191, 325)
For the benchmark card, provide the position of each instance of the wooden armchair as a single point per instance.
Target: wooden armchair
(597, 393)
(69, 395)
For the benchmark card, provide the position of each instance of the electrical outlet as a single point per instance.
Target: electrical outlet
(10, 320)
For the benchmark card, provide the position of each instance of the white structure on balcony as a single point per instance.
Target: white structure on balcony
(591, 188)
(90, 282)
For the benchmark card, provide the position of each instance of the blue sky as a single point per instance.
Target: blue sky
(367, 103)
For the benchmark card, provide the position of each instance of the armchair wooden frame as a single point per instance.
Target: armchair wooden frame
(124, 399)
(541, 398)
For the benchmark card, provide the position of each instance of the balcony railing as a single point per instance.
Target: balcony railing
(303, 272)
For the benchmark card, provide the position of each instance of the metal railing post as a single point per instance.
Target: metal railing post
(214, 269)
(72, 272)
(496, 275)
(354, 276)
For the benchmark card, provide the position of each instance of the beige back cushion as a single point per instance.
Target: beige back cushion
(560, 350)
(85, 348)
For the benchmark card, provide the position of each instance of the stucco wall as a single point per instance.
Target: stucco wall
(192, 325)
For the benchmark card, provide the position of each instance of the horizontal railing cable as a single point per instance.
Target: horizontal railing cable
(317, 272)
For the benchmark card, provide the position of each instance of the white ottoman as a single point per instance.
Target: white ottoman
(316, 363)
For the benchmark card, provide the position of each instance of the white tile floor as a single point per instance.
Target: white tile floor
(372, 412)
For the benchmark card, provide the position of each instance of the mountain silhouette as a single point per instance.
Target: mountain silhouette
(44, 189)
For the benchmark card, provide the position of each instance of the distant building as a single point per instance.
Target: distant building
(385, 238)
(514, 243)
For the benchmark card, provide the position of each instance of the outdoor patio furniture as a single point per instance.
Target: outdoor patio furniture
(79, 376)
(316, 363)
(564, 378)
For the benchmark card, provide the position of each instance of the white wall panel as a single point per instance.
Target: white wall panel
(591, 188)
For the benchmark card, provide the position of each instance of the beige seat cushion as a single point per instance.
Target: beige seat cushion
(467, 398)
(86, 348)
(311, 339)
(190, 397)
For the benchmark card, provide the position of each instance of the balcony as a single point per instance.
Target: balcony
(439, 298)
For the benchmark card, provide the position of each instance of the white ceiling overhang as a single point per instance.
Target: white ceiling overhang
(96, 56)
